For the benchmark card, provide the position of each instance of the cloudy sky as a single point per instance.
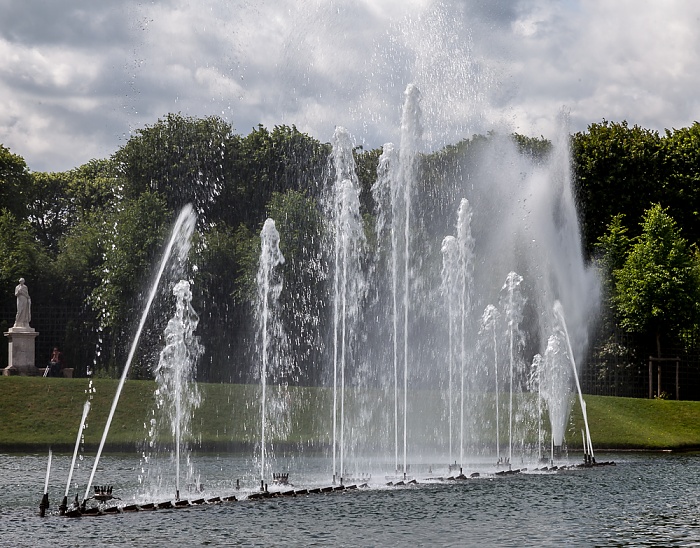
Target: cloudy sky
(77, 77)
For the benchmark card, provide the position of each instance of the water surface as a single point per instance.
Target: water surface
(645, 500)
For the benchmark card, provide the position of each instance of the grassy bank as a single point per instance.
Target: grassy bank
(40, 412)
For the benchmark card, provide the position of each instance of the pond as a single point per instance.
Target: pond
(644, 500)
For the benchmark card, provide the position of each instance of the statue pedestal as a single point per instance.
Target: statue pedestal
(21, 351)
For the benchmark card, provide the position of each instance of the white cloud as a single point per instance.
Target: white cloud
(75, 80)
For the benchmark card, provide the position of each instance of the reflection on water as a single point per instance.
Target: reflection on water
(646, 500)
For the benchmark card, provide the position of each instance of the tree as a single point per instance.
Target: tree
(14, 180)
(298, 220)
(537, 148)
(617, 170)
(366, 162)
(80, 260)
(273, 161)
(658, 287)
(131, 238)
(182, 158)
(93, 187)
(614, 246)
(224, 322)
(681, 186)
(48, 208)
(20, 255)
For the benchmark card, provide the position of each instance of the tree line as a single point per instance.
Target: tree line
(86, 240)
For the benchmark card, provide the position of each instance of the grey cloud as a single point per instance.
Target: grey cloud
(74, 22)
(317, 64)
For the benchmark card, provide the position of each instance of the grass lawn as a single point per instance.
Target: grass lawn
(39, 412)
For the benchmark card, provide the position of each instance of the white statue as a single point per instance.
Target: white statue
(24, 305)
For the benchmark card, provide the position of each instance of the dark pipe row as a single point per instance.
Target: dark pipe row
(588, 462)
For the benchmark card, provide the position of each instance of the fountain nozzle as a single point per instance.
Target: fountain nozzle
(63, 507)
(43, 505)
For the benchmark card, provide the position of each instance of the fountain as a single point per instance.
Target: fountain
(426, 355)
(587, 443)
(270, 339)
(518, 212)
(394, 184)
(488, 326)
(435, 345)
(348, 279)
(512, 310)
(457, 271)
(177, 247)
(176, 393)
(86, 410)
(465, 243)
(450, 266)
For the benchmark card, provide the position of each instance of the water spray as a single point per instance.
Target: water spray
(64, 504)
(559, 310)
(44, 504)
(184, 226)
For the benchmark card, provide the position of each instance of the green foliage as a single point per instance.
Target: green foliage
(298, 220)
(247, 246)
(48, 208)
(214, 253)
(614, 245)
(14, 179)
(93, 187)
(21, 256)
(624, 170)
(613, 248)
(537, 148)
(271, 161)
(182, 158)
(617, 171)
(131, 238)
(681, 184)
(88, 238)
(658, 287)
(80, 259)
(366, 163)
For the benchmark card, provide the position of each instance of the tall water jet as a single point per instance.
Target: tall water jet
(270, 333)
(386, 196)
(177, 394)
(411, 132)
(180, 243)
(489, 323)
(465, 244)
(513, 303)
(535, 385)
(555, 385)
(348, 279)
(393, 190)
(450, 291)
